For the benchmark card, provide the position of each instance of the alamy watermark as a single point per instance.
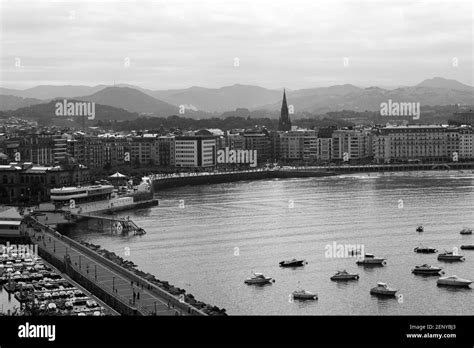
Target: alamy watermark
(336, 250)
(237, 156)
(66, 108)
(391, 108)
(19, 250)
(37, 331)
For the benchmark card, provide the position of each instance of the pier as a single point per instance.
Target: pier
(119, 288)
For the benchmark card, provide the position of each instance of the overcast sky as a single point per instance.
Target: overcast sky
(214, 43)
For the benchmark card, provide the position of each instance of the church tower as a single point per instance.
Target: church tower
(284, 124)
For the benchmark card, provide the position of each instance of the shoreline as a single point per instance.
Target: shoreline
(171, 181)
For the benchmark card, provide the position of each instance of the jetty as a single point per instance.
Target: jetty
(115, 224)
(119, 288)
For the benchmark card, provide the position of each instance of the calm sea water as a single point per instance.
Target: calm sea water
(226, 231)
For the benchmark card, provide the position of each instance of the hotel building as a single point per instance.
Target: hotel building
(413, 142)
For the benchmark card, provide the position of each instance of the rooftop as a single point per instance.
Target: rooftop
(9, 213)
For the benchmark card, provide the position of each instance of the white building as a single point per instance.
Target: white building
(195, 151)
(413, 142)
(299, 144)
(356, 143)
(466, 143)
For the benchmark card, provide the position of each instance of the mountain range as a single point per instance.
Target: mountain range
(199, 102)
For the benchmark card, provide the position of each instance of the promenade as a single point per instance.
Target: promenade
(333, 168)
(146, 301)
(166, 181)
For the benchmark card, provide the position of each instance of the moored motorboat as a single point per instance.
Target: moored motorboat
(344, 275)
(259, 279)
(425, 250)
(454, 281)
(466, 230)
(450, 256)
(302, 294)
(420, 228)
(371, 260)
(427, 270)
(292, 263)
(383, 289)
(467, 247)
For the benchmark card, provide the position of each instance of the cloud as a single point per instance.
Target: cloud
(179, 43)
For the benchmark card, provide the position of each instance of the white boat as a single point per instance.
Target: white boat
(98, 198)
(344, 275)
(302, 294)
(466, 230)
(259, 279)
(371, 260)
(454, 281)
(292, 263)
(450, 256)
(383, 289)
(427, 270)
(425, 250)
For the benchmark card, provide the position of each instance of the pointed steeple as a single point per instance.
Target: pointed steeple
(284, 124)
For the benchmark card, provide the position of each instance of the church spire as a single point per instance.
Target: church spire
(284, 124)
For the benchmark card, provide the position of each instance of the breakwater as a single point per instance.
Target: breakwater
(218, 178)
(106, 277)
(184, 179)
(183, 297)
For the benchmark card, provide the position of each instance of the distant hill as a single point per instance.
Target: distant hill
(46, 92)
(132, 100)
(10, 102)
(46, 112)
(220, 99)
(439, 82)
(322, 100)
(200, 102)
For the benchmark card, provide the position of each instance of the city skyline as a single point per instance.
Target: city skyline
(182, 44)
(269, 159)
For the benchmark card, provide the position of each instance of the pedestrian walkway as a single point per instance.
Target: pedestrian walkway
(146, 302)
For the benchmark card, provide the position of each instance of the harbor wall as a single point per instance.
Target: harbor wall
(219, 178)
(183, 306)
(299, 172)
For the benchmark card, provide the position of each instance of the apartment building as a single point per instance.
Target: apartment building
(195, 151)
(298, 144)
(355, 143)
